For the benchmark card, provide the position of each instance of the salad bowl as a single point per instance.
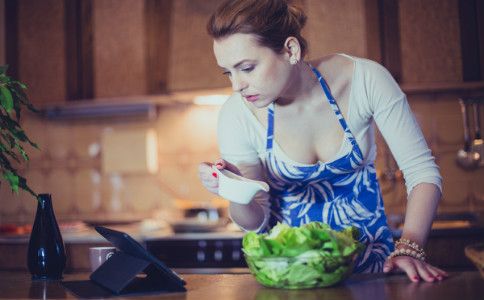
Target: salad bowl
(310, 256)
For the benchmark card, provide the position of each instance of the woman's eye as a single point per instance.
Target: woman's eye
(227, 73)
(248, 69)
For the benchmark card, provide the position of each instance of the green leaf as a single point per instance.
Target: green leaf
(5, 163)
(12, 179)
(23, 185)
(6, 152)
(12, 136)
(22, 152)
(6, 99)
(4, 78)
(20, 84)
(251, 244)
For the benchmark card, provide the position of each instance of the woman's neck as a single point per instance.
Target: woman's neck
(302, 86)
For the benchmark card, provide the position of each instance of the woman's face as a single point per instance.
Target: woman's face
(259, 74)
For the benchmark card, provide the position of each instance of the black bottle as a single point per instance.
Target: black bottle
(46, 256)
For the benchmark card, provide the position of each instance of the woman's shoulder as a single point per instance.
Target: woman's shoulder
(341, 62)
(335, 67)
(333, 60)
(363, 70)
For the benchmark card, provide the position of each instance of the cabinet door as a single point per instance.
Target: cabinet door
(39, 39)
(119, 43)
(192, 62)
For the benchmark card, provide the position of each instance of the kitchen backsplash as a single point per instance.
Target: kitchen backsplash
(69, 164)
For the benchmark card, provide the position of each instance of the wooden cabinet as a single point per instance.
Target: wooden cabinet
(38, 37)
(84, 49)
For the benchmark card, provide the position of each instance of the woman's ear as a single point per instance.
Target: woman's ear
(292, 50)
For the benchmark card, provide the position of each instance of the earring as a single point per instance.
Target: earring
(293, 60)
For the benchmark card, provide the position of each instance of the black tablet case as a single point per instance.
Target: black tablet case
(130, 271)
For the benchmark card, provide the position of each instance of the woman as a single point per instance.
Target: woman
(306, 129)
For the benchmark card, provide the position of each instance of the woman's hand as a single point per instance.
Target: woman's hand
(415, 269)
(209, 177)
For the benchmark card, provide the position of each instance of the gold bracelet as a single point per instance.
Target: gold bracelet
(410, 244)
(411, 249)
(407, 252)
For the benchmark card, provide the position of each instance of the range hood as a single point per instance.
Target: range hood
(147, 110)
(144, 106)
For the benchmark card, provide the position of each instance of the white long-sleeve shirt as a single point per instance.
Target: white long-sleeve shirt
(374, 96)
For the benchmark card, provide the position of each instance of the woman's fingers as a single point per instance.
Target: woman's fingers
(415, 269)
(435, 275)
(208, 177)
(439, 274)
(424, 272)
(388, 266)
(405, 263)
(222, 164)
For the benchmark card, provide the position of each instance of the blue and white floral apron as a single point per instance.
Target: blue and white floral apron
(341, 193)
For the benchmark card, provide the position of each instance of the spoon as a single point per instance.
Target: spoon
(477, 143)
(466, 157)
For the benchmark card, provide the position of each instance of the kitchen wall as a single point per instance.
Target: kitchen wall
(69, 164)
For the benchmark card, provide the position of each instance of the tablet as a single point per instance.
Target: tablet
(128, 245)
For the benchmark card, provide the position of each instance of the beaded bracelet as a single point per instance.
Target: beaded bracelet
(409, 244)
(407, 252)
(413, 250)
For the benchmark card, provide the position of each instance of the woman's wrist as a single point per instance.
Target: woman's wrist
(406, 247)
(248, 216)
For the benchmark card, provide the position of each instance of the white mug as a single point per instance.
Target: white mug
(98, 255)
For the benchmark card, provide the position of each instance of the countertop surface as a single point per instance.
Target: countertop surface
(461, 285)
(89, 235)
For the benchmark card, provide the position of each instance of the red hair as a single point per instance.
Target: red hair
(272, 21)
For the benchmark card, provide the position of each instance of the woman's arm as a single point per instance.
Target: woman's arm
(252, 216)
(249, 217)
(394, 118)
(421, 207)
(239, 155)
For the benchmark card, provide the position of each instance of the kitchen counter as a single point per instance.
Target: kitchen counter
(461, 285)
(220, 249)
(77, 244)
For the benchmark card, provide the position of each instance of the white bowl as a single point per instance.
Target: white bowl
(236, 188)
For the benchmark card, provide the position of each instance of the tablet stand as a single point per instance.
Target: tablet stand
(125, 274)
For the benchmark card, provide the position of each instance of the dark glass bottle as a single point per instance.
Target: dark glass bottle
(46, 256)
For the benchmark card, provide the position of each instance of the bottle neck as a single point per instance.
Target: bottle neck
(45, 201)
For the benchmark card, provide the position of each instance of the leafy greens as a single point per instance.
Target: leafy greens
(300, 257)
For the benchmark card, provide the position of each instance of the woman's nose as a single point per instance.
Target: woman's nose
(238, 84)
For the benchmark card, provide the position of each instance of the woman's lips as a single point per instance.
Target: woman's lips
(252, 98)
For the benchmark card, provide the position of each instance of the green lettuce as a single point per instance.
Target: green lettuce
(298, 257)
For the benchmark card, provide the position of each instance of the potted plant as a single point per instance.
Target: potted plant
(46, 258)
(12, 136)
